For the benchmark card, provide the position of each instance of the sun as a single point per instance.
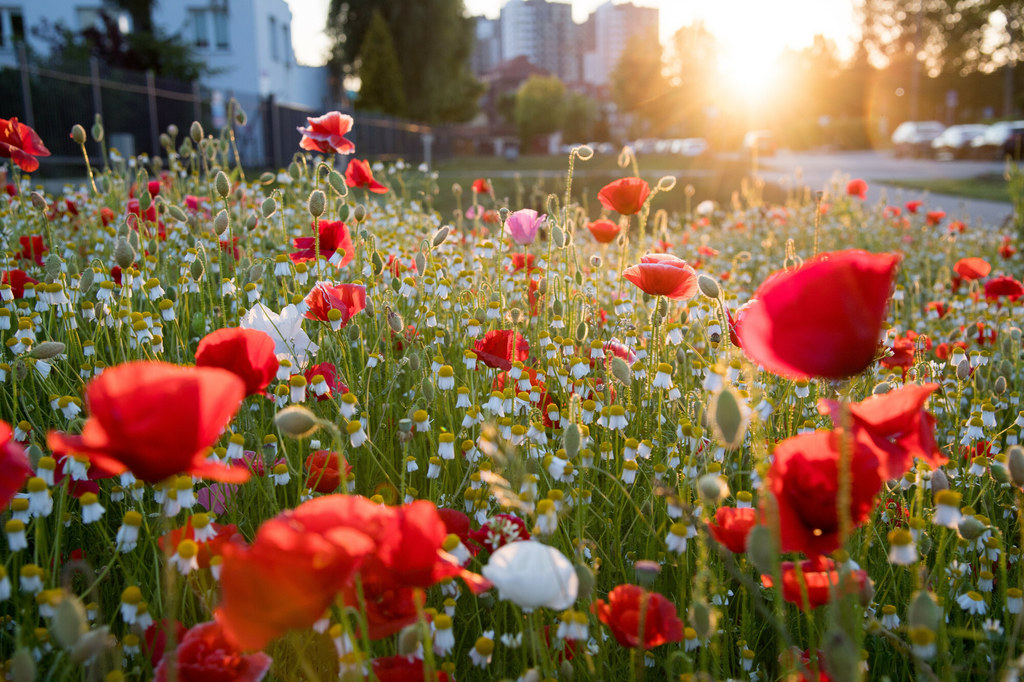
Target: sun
(748, 71)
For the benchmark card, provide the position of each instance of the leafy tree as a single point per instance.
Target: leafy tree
(540, 107)
(581, 118)
(433, 40)
(380, 75)
(639, 85)
(165, 55)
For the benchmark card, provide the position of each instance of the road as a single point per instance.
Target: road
(828, 171)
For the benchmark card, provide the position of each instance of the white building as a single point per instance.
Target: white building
(614, 26)
(544, 33)
(246, 44)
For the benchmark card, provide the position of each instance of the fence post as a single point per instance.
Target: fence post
(154, 125)
(94, 75)
(26, 89)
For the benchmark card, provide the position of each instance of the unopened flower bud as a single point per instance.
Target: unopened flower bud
(440, 236)
(317, 203)
(359, 213)
(47, 350)
(196, 131)
(220, 223)
(337, 183)
(296, 421)
(584, 152)
(963, 370)
(708, 286)
(646, 572)
(78, 134)
(1015, 465)
(221, 184)
(971, 528)
(761, 548)
(712, 488)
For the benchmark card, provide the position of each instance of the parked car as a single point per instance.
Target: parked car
(690, 146)
(1013, 147)
(914, 138)
(992, 144)
(760, 141)
(955, 141)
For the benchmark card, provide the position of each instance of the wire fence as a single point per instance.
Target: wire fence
(138, 106)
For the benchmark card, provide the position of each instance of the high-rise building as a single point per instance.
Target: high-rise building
(544, 33)
(613, 27)
(487, 47)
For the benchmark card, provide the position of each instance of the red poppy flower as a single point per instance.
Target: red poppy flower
(912, 206)
(627, 196)
(956, 226)
(857, 188)
(662, 274)
(501, 347)
(358, 174)
(331, 235)
(247, 353)
(32, 248)
(972, 268)
(933, 218)
(348, 299)
(895, 425)
(17, 279)
(997, 287)
(604, 231)
(403, 669)
(481, 186)
(902, 355)
(205, 654)
(324, 469)
(455, 522)
(326, 134)
(14, 464)
(154, 639)
(804, 480)
(820, 577)
(157, 420)
(821, 319)
(731, 527)
(622, 613)
(330, 374)
(1006, 249)
(522, 260)
(169, 541)
(21, 144)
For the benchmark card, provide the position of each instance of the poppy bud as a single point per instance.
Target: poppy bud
(414, 362)
(581, 332)
(359, 213)
(939, 481)
(38, 200)
(317, 203)
(92, 644)
(702, 618)
(221, 184)
(761, 548)
(70, 621)
(728, 418)
(557, 236)
(971, 528)
(196, 269)
(456, 189)
(395, 321)
(337, 183)
(97, 129)
(294, 170)
(1015, 465)
(584, 152)
(712, 488)
(999, 472)
(177, 214)
(255, 273)
(124, 254)
(251, 222)
(571, 440)
(924, 611)
(85, 283)
(708, 286)
(195, 131)
(1000, 386)
(842, 657)
(22, 666)
(421, 263)
(621, 371)
(220, 223)
(595, 261)
(78, 134)
(47, 350)
(409, 640)
(646, 572)
(240, 116)
(503, 213)
(667, 183)
(440, 236)
(566, 671)
(296, 421)
(267, 178)
(556, 307)
(963, 370)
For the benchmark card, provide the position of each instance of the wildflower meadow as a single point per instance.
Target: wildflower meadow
(303, 426)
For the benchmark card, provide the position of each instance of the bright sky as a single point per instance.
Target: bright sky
(750, 29)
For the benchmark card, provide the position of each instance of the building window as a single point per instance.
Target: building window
(286, 35)
(273, 38)
(12, 27)
(92, 17)
(209, 27)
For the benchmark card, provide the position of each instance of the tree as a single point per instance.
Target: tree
(581, 117)
(692, 67)
(639, 86)
(380, 75)
(540, 107)
(433, 40)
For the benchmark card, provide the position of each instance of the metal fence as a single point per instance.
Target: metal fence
(138, 106)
